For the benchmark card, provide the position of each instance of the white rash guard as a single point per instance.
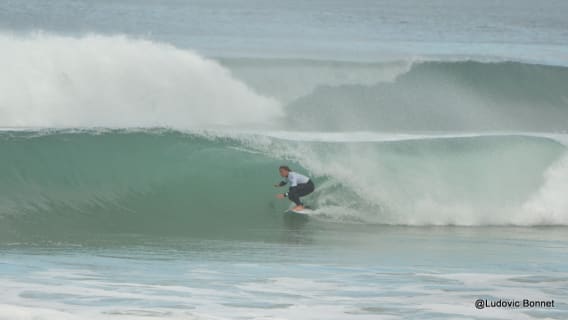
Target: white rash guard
(295, 179)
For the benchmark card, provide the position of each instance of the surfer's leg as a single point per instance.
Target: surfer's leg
(294, 196)
(310, 187)
(305, 189)
(300, 190)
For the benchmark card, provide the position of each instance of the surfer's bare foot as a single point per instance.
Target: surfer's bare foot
(298, 208)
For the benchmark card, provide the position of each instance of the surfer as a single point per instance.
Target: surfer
(300, 186)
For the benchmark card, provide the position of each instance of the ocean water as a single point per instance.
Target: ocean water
(140, 140)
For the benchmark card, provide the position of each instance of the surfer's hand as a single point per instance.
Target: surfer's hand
(280, 196)
(277, 185)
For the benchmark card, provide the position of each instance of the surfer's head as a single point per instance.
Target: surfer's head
(284, 170)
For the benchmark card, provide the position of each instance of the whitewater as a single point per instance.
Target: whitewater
(139, 142)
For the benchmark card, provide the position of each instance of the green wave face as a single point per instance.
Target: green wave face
(89, 184)
(132, 182)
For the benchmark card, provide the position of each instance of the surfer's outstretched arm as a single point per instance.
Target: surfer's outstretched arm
(281, 184)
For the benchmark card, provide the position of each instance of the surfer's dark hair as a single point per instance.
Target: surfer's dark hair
(285, 168)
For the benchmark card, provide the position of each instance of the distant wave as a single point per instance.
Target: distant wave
(118, 82)
(162, 182)
(441, 96)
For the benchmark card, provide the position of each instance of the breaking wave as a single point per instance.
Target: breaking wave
(168, 182)
(101, 81)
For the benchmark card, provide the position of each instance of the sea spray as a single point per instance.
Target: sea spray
(115, 81)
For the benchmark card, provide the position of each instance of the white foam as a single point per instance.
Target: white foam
(430, 186)
(320, 295)
(115, 81)
(549, 205)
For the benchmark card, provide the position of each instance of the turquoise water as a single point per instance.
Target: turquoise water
(310, 273)
(139, 144)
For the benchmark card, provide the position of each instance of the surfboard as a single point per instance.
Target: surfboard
(306, 211)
